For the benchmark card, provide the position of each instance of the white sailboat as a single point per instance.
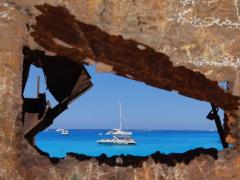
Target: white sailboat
(119, 131)
(120, 137)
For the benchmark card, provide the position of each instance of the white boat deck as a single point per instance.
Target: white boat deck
(117, 141)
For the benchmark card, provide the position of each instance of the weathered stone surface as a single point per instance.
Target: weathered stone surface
(198, 34)
(202, 35)
(11, 38)
(124, 56)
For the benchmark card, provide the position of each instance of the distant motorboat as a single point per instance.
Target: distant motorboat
(120, 137)
(63, 131)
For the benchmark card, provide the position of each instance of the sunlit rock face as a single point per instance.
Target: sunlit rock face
(199, 34)
(182, 45)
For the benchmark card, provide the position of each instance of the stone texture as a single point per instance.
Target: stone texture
(124, 56)
(202, 35)
(11, 38)
(197, 34)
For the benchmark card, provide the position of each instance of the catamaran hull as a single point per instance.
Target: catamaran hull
(116, 143)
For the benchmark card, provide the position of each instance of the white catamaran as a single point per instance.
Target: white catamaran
(120, 137)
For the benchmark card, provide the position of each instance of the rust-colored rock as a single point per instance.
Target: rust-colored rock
(124, 56)
(187, 46)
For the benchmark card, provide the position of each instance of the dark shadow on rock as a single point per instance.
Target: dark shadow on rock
(137, 161)
(174, 158)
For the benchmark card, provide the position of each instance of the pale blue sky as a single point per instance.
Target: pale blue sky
(144, 107)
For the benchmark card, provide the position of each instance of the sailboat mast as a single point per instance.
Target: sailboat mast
(120, 111)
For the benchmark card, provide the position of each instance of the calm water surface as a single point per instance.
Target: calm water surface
(148, 142)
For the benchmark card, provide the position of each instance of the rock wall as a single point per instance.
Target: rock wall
(12, 30)
(199, 34)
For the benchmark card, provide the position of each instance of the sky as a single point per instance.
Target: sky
(143, 106)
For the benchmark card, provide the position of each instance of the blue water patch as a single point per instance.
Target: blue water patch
(148, 142)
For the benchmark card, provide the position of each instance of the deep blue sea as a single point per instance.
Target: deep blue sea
(84, 142)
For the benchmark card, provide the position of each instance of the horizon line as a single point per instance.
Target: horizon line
(140, 129)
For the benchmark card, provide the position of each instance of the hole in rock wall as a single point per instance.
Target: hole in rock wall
(160, 120)
(224, 85)
(146, 111)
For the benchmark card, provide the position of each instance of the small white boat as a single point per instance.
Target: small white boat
(64, 132)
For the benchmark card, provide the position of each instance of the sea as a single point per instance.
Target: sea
(83, 141)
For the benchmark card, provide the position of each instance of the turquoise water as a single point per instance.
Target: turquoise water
(148, 142)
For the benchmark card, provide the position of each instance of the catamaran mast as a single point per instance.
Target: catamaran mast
(120, 111)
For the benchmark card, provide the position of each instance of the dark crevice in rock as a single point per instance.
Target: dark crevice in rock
(174, 158)
(101, 14)
(139, 23)
(78, 41)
